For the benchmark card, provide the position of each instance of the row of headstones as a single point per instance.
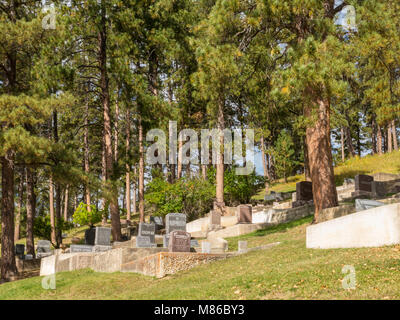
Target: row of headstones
(96, 239)
(43, 250)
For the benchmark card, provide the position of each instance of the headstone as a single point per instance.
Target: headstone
(20, 250)
(214, 219)
(365, 204)
(147, 230)
(165, 240)
(304, 191)
(28, 257)
(194, 243)
(74, 248)
(363, 183)
(43, 248)
(90, 235)
(175, 222)
(244, 213)
(179, 241)
(206, 247)
(102, 237)
(100, 248)
(158, 221)
(378, 189)
(242, 246)
(144, 242)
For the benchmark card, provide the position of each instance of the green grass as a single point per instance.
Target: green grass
(287, 271)
(388, 163)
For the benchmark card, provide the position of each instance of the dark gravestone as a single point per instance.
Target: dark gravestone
(147, 230)
(90, 235)
(102, 237)
(363, 183)
(179, 241)
(175, 222)
(304, 191)
(378, 189)
(244, 213)
(20, 250)
(74, 248)
(158, 221)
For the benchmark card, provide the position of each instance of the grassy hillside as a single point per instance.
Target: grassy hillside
(388, 163)
(287, 271)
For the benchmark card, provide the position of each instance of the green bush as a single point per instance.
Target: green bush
(193, 197)
(83, 217)
(42, 227)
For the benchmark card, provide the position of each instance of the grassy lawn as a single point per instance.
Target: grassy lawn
(287, 271)
(388, 163)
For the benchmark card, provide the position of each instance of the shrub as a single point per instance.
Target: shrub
(83, 216)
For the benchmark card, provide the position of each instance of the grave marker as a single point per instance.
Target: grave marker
(304, 191)
(244, 213)
(74, 248)
(175, 222)
(147, 230)
(179, 241)
(43, 248)
(206, 247)
(102, 237)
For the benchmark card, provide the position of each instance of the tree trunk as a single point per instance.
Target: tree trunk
(394, 133)
(86, 157)
(307, 174)
(51, 211)
(58, 188)
(389, 137)
(105, 100)
(264, 162)
(141, 173)
(342, 143)
(373, 136)
(349, 142)
(320, 159)
(19, 208)
(30, 211)
(134, 190)
(220, 152)
(379, 140)
(127, 167)
(8, 266)
(66, 203)
(116, 129)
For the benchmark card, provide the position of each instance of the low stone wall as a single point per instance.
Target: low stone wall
(336, 212)
(381, 176)
(27, 265)
(161, 264)
(292, 214)
(369, 228)
(237, 230)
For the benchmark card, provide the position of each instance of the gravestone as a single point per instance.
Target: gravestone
(147, 230)
(378, 189)
(90, 236)
(20, 250)
(206, 247)
(43, 249)
(158, 221)
(179, 241)
(363, 182)
(175, 222)
(214, 219)
(365, 204)
(144, 242)
(242, 246)
(28, 257)
(304, 191)
(244, 213)
(74, 248)
(102, 236)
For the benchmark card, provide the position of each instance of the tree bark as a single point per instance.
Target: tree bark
(86, 157)
(66, 203)
(373, 136)
(141, 173)
(220, 160)
(127, 167)
(349, 142)
(394, 133)
(342, 143)
(320, 158)
(8, 265)
(389, 137)
(51, 211)
(19, 208)
(105, 99)
(30, 211)
(379, 140)
(307, 174)
(134, 191)
(264, 162)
